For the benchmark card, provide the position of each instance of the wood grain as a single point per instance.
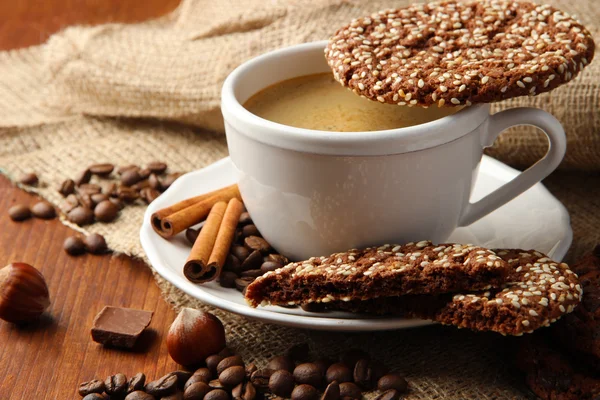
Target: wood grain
(48, 360)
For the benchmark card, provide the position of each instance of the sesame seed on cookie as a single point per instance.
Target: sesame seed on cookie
(454, 53)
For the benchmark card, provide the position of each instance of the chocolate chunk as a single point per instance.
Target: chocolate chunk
(120, 327)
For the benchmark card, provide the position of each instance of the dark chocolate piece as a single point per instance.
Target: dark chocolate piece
(120, 327)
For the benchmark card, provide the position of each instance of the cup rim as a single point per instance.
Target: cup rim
(382, 142)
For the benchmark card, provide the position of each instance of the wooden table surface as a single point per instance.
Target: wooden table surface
(50, 359)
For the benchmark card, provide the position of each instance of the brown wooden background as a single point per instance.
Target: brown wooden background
(48, 360)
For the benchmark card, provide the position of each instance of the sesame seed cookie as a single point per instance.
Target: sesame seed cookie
(580, 331)
(389, 270)
(455, 53)
(538, 292)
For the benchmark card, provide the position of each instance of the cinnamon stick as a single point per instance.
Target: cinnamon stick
(195, 267)
(226, 235)
(169, 221)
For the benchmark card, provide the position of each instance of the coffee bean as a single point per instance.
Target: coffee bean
(139, 395)
(216, 384)
(281, 362)
(349, 389)
(93, 386)
(130, 177)
(305, 392)
(257, 243)
(83, 177)
(390, 394)
(95, 396)
(74, 245)
(299, 352)
(67, 187)
(200, 375)
(392, 381)
(128, 195)
(269, 266)
(115, 385)
(182, 377)
(281, 383)
(278, 258)
(29, 179)
(332, 392)
(86, 201)
(232, 376)
(163, 386)
(250, 368)
(308, 373)
(106, 211)
(117, 202)
(144, 173)
(101, 169)
(196, 391)
(43, 210)
(226, 352)
(260, 378)
(338, 372)
(253, 261)
(244, 391)
(367, 373)
(212, 362)
(240, 252)
(250, 230)
(227, 362)
(98, 198)
(351, 357)
(89, 188)
(245, 218)
(154, 182)
(167, 181)
(191, 235)
(19, 212)
(136, 382)
(70, 202)
(124, 168)
(242, 283)
(149, 194)
(143, 184)
(227, 279)
(253, 273)
(109, 188)
(95, 243)
(217, 394)
(157, 167)
(233, 264)
(81, 216)
(323, 363)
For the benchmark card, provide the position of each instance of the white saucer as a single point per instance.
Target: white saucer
(534, 220)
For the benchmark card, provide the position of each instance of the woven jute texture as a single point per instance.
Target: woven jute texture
(58, 109)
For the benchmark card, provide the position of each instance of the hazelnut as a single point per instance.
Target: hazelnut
(194, 335)
(23, 293)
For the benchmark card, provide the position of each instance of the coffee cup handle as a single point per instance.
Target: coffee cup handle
(497, 124)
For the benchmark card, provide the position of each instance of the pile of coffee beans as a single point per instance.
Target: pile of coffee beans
(250, 256)
(100, 191)
(41, 209)
(225, 376)
(93, 243)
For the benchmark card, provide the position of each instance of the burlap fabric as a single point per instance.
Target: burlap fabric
(57, 107)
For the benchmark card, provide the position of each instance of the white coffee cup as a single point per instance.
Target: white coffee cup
(312, 193)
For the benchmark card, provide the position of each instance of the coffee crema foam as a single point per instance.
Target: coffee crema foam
(319, 102)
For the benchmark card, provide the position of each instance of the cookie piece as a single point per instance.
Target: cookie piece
(389, 270)
(579, 332)
(455, 53)
(539, 292)
(553, 375)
